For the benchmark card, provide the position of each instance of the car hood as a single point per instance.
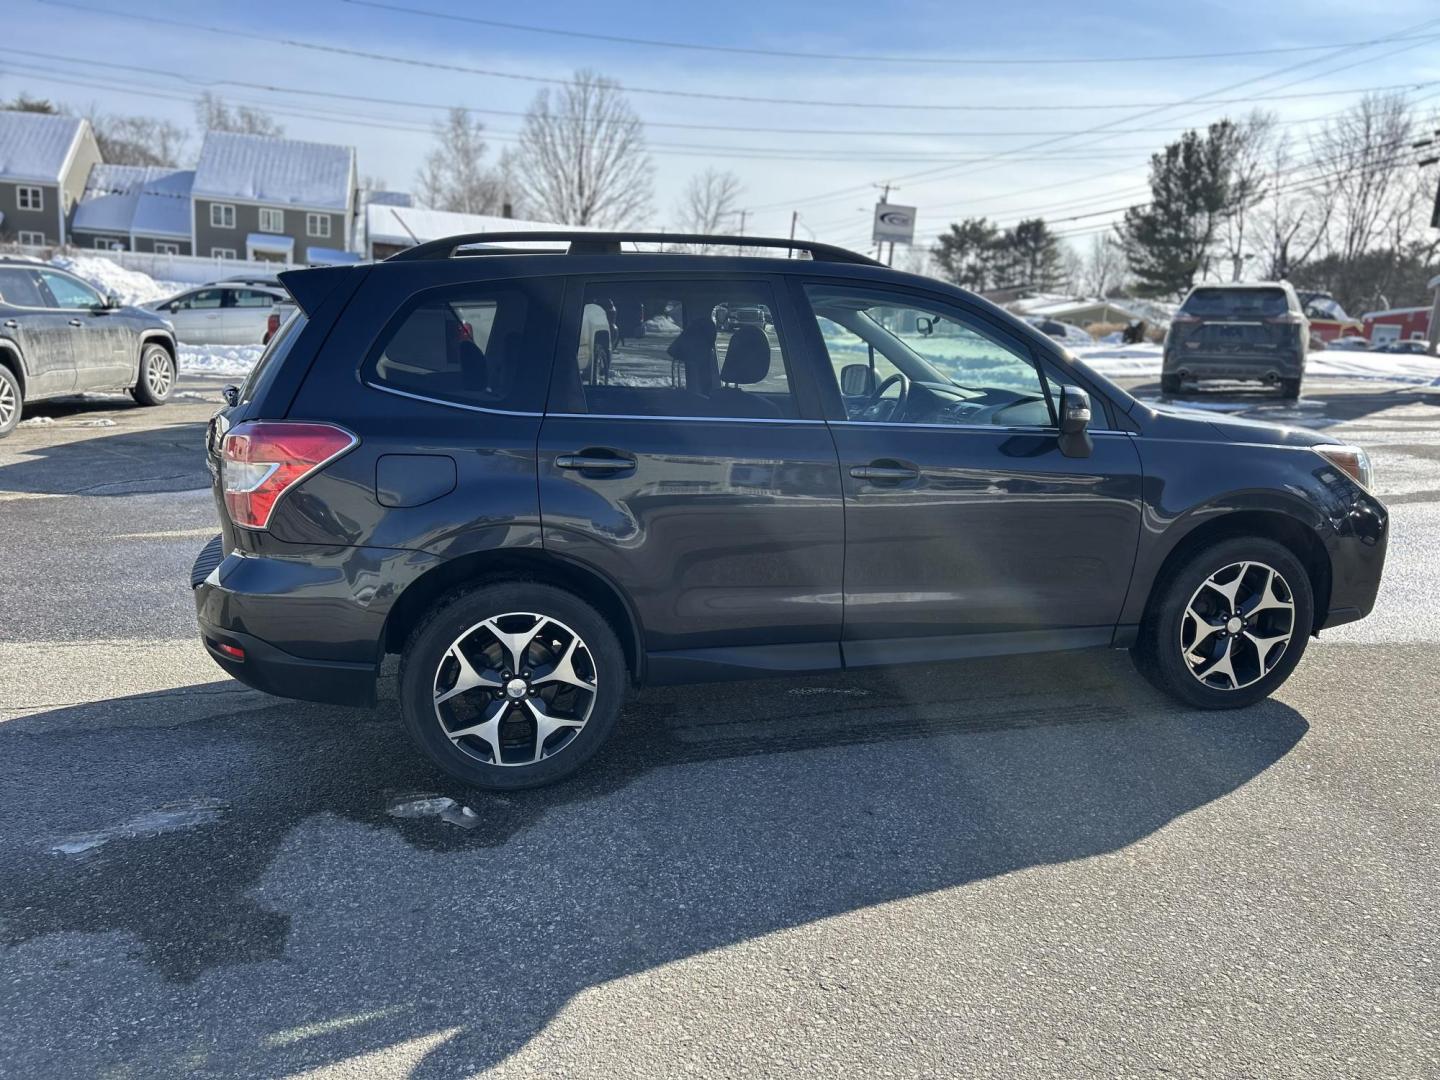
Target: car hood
(1176, 422)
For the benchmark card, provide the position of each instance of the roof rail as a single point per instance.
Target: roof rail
(608, 243)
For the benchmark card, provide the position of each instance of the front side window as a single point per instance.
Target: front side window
(222, 216)
(201, 299)
(68, 292)
(465, 346)
(20, 288)
(30, 198)
(317, 225)
(902, 361)
(272, 221)
(678, 348)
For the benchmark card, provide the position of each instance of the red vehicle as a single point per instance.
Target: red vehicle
(1328, 320)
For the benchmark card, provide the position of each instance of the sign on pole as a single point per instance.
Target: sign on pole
(894, 223)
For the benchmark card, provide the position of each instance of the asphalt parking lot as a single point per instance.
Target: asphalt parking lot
(1024, 868)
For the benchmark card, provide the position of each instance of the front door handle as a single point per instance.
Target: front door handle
(11, 324)
(886, 471)
(595, 461)
(76, 322)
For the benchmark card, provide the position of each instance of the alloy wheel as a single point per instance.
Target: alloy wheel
(159, 374)
(1237, 625)
(8, 403)
(515, 689)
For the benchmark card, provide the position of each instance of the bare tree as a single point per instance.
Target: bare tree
(214, 114)
(455, 176)
(1104, 265)
(139, 140)
(1249, 182)
(709, 201)
(1365, 155)
(1290, 223)
(582, 155)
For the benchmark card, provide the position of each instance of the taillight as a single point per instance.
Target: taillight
(263, 459)
(272, 324)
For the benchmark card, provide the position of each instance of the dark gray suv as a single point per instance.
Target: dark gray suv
(428, 461)
(59, 336)
(1256, 332)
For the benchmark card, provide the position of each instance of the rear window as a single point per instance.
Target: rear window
(465, 345)
(1257, 303)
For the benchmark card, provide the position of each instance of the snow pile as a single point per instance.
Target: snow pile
(131, 286)
(234, 360)
(1143, 362)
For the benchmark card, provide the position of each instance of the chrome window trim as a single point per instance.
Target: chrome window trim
(451, 404)
(1038, 429)
(714, 419)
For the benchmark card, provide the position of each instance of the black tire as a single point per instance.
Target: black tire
(1169, 384)
(154, 391)
(427, 658)
(1290, 389)
(12, 401)
(1159, 652)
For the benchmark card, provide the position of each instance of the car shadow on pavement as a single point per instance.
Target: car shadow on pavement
(168, 457)
(277, 936)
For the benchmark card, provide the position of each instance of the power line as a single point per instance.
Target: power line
(437, 65)
(791, 54)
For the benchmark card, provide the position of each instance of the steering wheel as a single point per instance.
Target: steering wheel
(897, 410)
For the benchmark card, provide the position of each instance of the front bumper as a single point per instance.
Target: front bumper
(1357, 548)
(310, 620)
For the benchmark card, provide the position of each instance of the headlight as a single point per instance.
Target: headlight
(1351, 460)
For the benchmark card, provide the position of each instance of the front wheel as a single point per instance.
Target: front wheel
(1169, 385)
(1229, 626)
(512, 685)
(12, 401)
(157, 376)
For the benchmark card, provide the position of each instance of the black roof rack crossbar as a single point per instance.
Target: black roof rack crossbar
(608, 243)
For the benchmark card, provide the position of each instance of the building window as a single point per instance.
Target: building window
(109, 243)
(32, 239)
(164, 247)
(317, 225)
(30, 198)
(222, 253)
(272, 221)
(222, 216)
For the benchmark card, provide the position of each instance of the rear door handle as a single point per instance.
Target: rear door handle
(595, 461)
(76, 322)
(11, 324)
(887, 471)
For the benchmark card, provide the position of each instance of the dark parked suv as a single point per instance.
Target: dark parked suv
(59, 336)
(1238, 332)
(887, 470)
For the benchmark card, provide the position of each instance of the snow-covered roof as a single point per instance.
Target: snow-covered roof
(36, 146)
(1058, 307)
(1396, 310)
(394, 224)
(276, 172)
(164, 207)
(389, 198)
(144, 199)
(320, 256)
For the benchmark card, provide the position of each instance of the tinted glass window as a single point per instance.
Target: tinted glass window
(928, 364)
(465, 345)
(202, 298)
(20, 287)
(253, 298)
(1259, 303)
(67, 292)
(678, 348)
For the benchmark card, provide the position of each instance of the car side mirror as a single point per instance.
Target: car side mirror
(1075, 438)
(231, 394)
(111, 301)
(857, 380)
(924, 325)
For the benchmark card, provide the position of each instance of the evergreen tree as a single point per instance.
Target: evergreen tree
(1169, 241)
(966, 254)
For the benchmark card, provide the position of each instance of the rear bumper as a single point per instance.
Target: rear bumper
(1211, 365)
(310, 621)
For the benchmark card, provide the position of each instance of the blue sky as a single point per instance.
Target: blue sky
(826, 176)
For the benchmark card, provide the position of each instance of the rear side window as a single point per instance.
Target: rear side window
(1255, 303)
(466, 345)
(20, 288)
(273, 358)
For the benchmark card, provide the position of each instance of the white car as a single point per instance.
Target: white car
(221, 314)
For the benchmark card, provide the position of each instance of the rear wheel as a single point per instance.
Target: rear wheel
(157, 376)
(1169, 384)
(12, 401)
(1229, 626)
(512, 685)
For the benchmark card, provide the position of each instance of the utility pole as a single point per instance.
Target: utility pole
(743, 215)
(885, 190)
(794, 217)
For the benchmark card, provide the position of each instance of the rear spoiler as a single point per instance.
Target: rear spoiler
(311, 287)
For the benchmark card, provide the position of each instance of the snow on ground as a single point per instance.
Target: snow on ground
(1143, 361)
(131, 286)
(234, 360)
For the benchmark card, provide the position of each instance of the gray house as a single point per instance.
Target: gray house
(135, 208)
(274, 199)
(44, 163)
